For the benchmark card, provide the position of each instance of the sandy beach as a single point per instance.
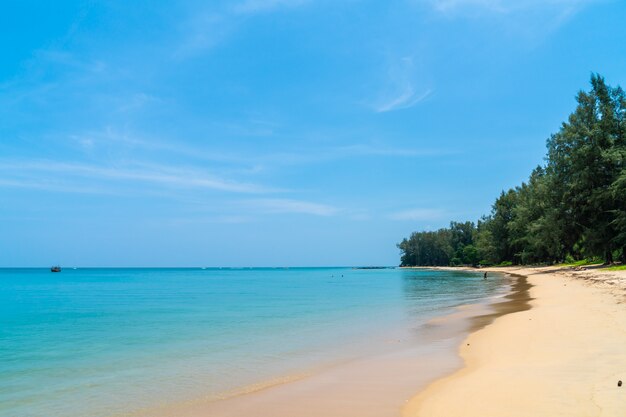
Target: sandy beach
(562, 357)
(554, 346)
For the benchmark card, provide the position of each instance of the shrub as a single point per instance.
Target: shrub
(456, 262)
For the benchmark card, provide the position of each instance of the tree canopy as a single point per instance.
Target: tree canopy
(572, 206)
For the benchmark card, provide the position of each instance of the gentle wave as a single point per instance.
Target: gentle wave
(117, 342)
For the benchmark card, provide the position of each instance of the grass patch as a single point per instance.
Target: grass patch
(583, 262)
(616, 268)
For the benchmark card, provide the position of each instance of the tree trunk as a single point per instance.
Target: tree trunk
(608, 258)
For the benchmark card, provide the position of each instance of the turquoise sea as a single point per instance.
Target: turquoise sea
(111, 342)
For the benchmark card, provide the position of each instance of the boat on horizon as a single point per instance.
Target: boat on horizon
(56, 268)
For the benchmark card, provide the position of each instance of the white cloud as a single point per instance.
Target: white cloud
(206, 30)
(221, 219)
(402, 87)
(417, 214)
(111, 142)
(156, 174)
(503, 6)
(258, 6)
(407, 98)
(202, 32)
(366, 149)
(54, 186)
(283, 205)
(528, 20)
(136, 101)
(447, 6)
(232, 219)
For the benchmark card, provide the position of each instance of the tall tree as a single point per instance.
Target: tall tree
(575, 205)
(582, 158)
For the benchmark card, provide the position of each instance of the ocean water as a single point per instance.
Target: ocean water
(114, 342)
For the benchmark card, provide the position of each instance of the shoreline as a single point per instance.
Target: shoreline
(363, 345)
(563, 356)
(377, 385)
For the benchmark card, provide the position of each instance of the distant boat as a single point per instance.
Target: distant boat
(56, 268)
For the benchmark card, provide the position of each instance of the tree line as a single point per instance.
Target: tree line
(571, 207)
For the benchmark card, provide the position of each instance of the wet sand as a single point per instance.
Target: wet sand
(374, 386)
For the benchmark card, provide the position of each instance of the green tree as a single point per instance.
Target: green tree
(485, 242)
(584, 158)
(470, 255)
(575, 205)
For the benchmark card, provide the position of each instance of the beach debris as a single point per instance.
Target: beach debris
(619, 383)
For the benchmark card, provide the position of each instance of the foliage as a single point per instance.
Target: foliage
(573, 207)
(448, 246)
(583, 262)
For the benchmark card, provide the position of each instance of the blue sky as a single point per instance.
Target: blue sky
(277, 132)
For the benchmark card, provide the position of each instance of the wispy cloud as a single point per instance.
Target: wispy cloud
(258, 6)
(51, 185)
(402, 89)
(110, 140)
(136, 101)
(449, 6)
(284, 206)
(206, 30)
(312, 156)
(503, 6)
(218, 219)
(529, 20)
(407, 98)
(25, 171)
(376, 149)
(51, 75)
(417, 214)
(202, 32)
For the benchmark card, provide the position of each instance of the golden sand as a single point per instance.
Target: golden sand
(563, 357)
